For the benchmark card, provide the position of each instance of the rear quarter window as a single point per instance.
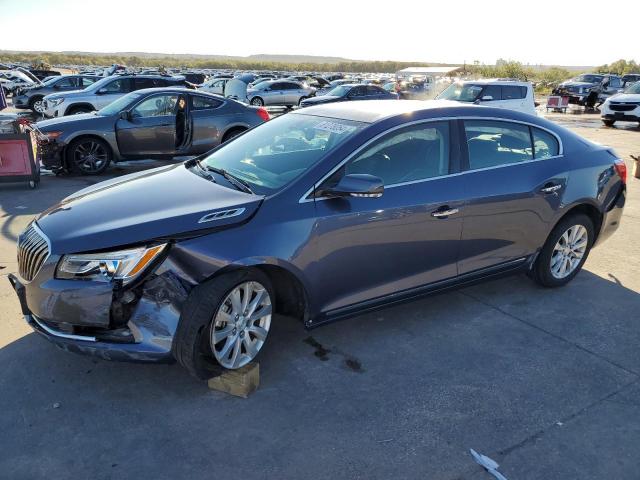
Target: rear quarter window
(545, 145)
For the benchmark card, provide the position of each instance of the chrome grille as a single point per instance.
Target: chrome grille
(33, 250)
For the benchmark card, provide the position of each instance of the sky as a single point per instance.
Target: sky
(533, 32)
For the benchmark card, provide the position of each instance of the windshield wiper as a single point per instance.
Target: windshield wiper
(232, 179)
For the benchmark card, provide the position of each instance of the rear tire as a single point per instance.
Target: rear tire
(564, 248)
(88, 156)
(232, 133)
(193, 345)
(609, 123)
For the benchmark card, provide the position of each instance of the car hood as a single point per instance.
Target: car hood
(625, 97)
(67, 94)
(159, 203)
(69, 121)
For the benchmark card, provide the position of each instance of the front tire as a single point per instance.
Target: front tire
(37, 105)
(565, 251)
(224, 323)
(89, 156)
(608, 123)
(257, 102)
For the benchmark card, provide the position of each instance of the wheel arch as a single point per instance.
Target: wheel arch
(86, 135)
(587, 208)
(236, 127)
(291, 293)
(76, 105)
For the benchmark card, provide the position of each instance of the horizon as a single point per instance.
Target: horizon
(337, 30)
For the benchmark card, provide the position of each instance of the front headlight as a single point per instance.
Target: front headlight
(54, 102)
(122, 265)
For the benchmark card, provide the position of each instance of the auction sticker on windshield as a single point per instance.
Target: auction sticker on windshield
(334, 127)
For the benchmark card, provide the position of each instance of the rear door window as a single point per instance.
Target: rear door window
(513, 92)
(88, 81)
(493, 91)
(204, 103)
(67, 82)
(494, 143)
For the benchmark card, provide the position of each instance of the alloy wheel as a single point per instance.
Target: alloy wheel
(569, 251)
(38, 106)
(241, 324)
(90, 156)
(256, 102)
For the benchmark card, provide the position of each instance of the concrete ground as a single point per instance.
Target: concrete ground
(545, 382)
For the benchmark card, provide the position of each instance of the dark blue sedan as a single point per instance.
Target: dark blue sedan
(349, 92)
(320, 214)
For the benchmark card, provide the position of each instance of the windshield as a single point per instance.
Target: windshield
(460, 92)
(116, 106)
(633, 88)
(589, 78)
(272, 155)
(339, 91)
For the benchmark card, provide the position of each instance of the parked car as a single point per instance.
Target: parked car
(350, 92)
(333, 84)
(279, 92)
(31, 97)
(14, 79)
(149, 123)
(320, 214)
(623, 106)
(578, 88)
(103, 92)
(508, 94)
(215, 85)
(630, 78)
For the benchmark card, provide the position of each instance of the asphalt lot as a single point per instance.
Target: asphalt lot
(545, 382)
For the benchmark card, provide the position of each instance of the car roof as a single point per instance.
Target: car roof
(496, 81)
(178, 90)
(371, 111)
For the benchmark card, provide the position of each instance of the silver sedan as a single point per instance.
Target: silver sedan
(279, 92)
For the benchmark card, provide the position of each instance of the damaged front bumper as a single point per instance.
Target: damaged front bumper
(51, 154)
(141, 331)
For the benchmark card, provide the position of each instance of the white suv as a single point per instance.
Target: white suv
(623, 106)
(509, 94)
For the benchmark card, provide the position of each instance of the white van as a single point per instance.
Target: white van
(500, 93)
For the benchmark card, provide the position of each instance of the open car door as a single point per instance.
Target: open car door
(149, 128)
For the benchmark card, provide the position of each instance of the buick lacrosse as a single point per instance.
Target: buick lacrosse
(322, 213)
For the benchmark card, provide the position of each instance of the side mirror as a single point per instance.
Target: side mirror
(357, 185)
(102, 91)
(487, 98)
(125, 115)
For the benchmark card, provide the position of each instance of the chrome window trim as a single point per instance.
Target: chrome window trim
(305, 197)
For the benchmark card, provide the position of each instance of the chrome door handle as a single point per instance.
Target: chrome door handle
(444, 213)
(551, 189)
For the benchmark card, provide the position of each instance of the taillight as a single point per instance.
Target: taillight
(621, 169)
(263, 114)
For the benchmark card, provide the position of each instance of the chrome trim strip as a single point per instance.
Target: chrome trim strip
(304, 198)
(55, 333)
